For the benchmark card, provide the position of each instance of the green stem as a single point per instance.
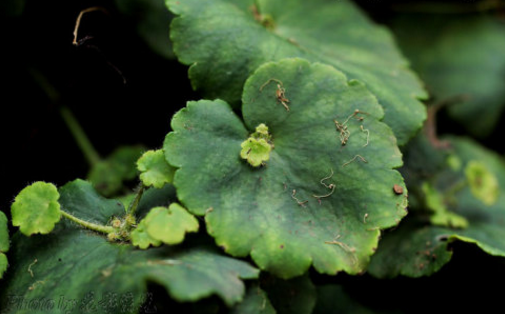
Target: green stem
(88, 225)
(135, 203)
(80, 137)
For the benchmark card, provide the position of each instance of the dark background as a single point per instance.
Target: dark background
(123, 93)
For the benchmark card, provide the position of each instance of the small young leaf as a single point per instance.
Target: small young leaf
(141, 238)
(255, 151)
(170, 225)
(155, 171)
(36, 208)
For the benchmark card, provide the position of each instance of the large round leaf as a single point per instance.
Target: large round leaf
(77, 271)
(418, 249)
(225, 41)
(316, 200)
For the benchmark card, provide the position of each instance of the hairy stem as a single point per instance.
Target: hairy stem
(88, 225)
(80, 137)
(135, 203)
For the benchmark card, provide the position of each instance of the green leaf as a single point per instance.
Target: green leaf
(141, 238)
(80, 199)
(108, 176)
(461, 59)
(293, 296)
(171, 224)
(441, 216)
(255, 302)
(36, 208)
(256, 149)
(483, 183)
(4, 233)
(105, 277)
(154, 170)
(413, 250)
(225, 41)
(310, 204)
(418, 248)
(3, 264)
(4, 243)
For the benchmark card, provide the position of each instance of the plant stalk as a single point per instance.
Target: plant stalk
(80, 137)
(88, 225)
(135, 203)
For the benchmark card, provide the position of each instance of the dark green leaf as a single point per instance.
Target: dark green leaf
(108, 176)
(152, 20)
(293, 296)
(255, 302)
(418, 248)
(225, 41)
(72, 264)
(462, 60)
(310, 203)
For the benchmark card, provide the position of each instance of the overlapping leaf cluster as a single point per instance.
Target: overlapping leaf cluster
(294, 159)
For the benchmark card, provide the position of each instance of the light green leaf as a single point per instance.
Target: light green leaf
(225, 41)
(141, 238)
(36, 208)
(3, 264)
(256, 149)
(419, 248)
(171, 224)
(4, 243)
(441, 216)
(483, 183)
(4, 233)
(311, 204)
(154, 169)
(461, 59)
(105, 277)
